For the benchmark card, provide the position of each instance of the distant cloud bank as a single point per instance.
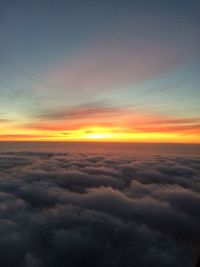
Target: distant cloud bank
(69, 209)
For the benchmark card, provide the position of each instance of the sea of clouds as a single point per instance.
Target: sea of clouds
(70, 209)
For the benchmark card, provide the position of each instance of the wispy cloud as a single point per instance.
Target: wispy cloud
(114, 119)
(85, 111)
(116, 64)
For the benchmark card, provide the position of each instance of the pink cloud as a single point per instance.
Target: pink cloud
(113, 64)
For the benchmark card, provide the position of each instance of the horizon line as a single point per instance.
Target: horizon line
(96, 142)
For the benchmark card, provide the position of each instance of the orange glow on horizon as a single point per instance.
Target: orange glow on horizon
(123, 127)
(100, 134)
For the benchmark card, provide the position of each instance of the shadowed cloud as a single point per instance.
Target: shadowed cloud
(98, 210)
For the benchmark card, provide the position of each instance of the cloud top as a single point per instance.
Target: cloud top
(98, 210)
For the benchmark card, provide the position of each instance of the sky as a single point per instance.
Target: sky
(112, 70)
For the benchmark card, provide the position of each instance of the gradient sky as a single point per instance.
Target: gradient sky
(106, 70)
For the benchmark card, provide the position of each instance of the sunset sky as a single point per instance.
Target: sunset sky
(100, 70)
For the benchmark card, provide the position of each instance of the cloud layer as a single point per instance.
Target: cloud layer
(64, 209)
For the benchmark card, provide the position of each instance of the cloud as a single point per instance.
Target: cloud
(98, 210)
(117, 120)
(85, 111)
(111, 62)
(23, 137)
(3, 120)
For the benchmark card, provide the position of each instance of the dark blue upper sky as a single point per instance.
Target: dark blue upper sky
(36, 33)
